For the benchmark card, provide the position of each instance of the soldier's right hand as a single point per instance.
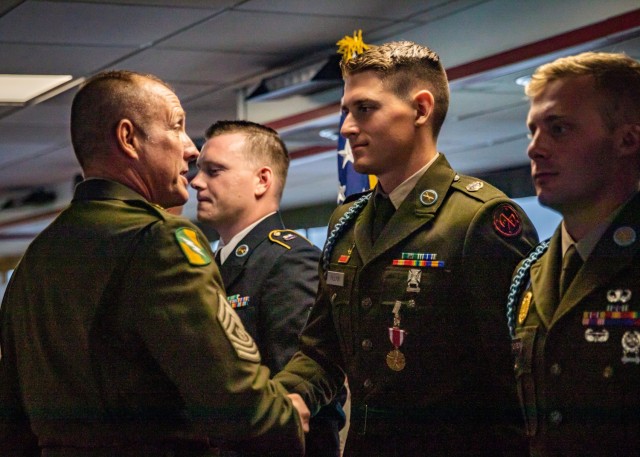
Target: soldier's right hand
(303, 411)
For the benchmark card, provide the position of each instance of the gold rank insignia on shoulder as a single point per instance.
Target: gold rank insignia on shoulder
(282, 235)
(188, 241)
(524, 307)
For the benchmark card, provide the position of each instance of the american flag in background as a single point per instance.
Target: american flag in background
(350, 181)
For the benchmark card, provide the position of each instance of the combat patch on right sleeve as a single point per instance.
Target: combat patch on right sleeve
(506, 220)
(241, 341)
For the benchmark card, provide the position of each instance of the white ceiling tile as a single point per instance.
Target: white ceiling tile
(254, 33)
(92, 24)
(202, 4)
(192, 66)
(382, 9)
(54, 59)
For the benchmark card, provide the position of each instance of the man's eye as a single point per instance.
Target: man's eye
(558, 129)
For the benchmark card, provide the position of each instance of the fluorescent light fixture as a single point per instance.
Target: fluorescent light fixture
(20, 89)
(329, 134)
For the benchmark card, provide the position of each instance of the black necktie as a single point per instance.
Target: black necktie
(384, 210)
(217, 256)
(571, 263)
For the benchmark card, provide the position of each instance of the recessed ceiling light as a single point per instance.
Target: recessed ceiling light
(329, 134)
(22, 88)
(523, 80)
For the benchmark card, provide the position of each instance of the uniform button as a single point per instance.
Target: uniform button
(367, 345)
(367, 383)
(608, 372)
(555, 369)
(366, 303)
(555, 417)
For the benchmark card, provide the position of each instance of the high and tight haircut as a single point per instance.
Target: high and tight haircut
(101, 103)
(616, 77)
(263, 146)
(404, 66)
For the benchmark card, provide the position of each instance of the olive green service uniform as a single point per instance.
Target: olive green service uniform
(117, 339)
(271, 278)
(417, 321)
(578, 358)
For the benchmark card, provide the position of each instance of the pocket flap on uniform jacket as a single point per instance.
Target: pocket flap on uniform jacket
(340, 282)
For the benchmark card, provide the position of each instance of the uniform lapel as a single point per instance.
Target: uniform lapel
(234, 265)
(607, 259)
(544, 280)
(362, 231)
(412, 213)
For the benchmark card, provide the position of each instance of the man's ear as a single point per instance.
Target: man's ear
(627, 140)
(264, 181)
(424, 102)
(126, 138)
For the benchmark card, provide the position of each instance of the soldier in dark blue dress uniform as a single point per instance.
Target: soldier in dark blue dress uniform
(270, 273)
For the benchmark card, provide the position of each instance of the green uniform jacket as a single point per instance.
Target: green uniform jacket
(578, 359)
(115, 333)
(458, 378)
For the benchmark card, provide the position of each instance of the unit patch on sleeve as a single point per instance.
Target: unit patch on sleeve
(506, 220)
(241, 341)
(191, 247)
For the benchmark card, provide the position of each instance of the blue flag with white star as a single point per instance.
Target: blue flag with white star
(350, 181)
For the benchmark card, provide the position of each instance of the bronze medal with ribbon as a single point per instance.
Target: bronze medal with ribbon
(395, 358)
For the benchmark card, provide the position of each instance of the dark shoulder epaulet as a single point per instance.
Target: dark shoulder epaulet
(476, 188)
(283, 237)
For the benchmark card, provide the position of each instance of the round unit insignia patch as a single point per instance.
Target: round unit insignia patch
(506, 220)
(428, 197)
(242, 250)
(624, 236)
